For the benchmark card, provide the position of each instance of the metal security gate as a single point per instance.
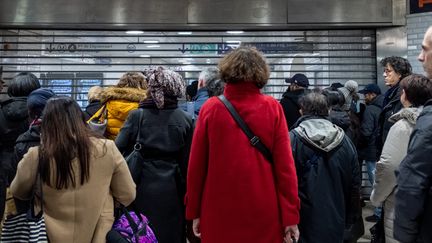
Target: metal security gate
(70, 62)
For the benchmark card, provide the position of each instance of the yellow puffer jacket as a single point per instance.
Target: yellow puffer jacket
(119, 102)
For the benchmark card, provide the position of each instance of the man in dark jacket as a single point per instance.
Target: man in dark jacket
(328, 175)
(299, 84)
(369, 128)
(395, 69)
(413, 209)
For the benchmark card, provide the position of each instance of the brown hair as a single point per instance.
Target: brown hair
(418, 89)
(133, 80)
(64, 137)
(245, 64)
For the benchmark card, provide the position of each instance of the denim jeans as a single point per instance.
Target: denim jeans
(370, 166)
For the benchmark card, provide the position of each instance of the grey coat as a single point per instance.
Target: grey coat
(394, 150)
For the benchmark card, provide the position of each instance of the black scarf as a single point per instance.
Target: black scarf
(169, 103)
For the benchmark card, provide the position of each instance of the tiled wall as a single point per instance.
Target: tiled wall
(417, 25)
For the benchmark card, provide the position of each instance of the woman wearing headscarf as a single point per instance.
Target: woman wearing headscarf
(165, 137)
(120, 99)
(80, 173)
(234, 193)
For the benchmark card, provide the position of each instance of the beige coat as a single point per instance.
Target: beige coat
(394, 150)
(85, 213)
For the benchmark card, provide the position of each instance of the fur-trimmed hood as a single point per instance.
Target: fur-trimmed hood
(409, 114)
(126, 93)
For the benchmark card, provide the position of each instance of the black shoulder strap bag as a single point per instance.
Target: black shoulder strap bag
(134, 160)
(254, 140)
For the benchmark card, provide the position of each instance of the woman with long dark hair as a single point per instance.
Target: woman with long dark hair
(80, 173)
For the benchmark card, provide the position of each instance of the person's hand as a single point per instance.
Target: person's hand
(291, 232)
(196, 227)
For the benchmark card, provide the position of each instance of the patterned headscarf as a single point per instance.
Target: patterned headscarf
(164, 83)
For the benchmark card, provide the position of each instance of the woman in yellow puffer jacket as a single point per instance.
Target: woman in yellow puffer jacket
(120, 99)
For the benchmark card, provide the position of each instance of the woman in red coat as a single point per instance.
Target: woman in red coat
(234, 194)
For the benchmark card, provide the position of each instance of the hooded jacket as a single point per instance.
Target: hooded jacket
(291, 107)
(394, 150)
(119, 102)
(413, 208)
(328, 179)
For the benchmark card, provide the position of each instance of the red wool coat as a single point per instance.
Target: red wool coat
(238, 195)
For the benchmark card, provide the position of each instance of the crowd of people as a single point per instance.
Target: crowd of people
(201, 177)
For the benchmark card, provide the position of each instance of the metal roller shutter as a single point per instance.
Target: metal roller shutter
(72, 61)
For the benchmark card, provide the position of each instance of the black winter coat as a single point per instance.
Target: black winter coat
(369, 130)
(165, 136)
(25, 141)
(13, 122)
(329, 187)
(393, 106)
(413, 209)
(291, 107)
(91, 109)
(348, 121)
(340, 118)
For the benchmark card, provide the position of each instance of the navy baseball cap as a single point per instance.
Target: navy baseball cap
(371, 88)
(299, 79)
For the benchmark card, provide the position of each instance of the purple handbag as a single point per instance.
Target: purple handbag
(131, 227)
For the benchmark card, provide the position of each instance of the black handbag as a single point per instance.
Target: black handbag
(377, 231)
(354, 231)
(135, 159)
(254, 140)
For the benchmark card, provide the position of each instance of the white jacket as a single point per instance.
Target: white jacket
(394, 150)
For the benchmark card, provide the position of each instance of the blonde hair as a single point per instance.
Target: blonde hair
(133, 80)
(94, 93)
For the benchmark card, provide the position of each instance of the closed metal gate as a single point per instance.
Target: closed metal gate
(71, 61)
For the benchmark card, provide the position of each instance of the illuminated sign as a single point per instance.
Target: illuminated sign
(420, 6)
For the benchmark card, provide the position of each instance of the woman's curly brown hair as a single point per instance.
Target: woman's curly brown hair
(133, 80)
(245, 64)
